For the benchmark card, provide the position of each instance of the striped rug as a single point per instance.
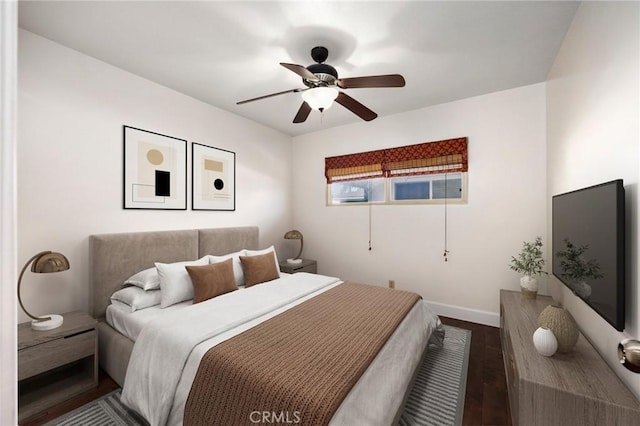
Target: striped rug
(437, 396)
(105, 411)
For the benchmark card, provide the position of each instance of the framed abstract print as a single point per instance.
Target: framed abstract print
(213, 175)
(155, 171)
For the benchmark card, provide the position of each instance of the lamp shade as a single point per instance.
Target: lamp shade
(320, 98)
(295, 235)
(629, 354)
(43, 263)
(50, 262)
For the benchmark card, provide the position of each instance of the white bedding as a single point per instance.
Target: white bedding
(131, 323)
(172, 342)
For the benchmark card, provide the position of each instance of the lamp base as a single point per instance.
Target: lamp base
(294, 261)
(55, 322)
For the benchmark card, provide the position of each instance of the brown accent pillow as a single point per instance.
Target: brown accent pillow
(259, 269)
(212, 280)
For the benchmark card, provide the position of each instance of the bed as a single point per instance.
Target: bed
(376, 398)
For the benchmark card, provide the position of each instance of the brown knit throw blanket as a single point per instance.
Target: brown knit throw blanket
(298, 366)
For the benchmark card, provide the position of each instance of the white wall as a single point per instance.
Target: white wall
(71, 112)
(8, 211)
(507, 203)
(593, 136)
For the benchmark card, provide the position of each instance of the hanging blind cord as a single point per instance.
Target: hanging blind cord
(446, 195)
(370, 207)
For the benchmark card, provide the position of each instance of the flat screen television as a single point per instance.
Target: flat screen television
(588, 247)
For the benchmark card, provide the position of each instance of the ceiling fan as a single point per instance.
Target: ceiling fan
(322, 87)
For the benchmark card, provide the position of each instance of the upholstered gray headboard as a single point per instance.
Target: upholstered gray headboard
(115, 257)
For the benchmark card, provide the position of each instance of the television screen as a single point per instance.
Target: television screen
(588, 247)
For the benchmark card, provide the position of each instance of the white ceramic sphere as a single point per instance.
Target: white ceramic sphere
(545, 341)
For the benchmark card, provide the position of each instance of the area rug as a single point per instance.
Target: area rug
(437, 396)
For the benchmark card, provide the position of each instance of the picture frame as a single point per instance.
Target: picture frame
(213, 178)
(154, 170)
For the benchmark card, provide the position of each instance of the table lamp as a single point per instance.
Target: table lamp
(629, 354)
(295, 235)
(44, 262)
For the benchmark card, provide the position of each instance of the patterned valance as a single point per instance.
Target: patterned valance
(444, 156)
(364, 165)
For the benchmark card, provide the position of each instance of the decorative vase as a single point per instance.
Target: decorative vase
(545, 341)
(583, 290)
(529, 287)
(562, 324)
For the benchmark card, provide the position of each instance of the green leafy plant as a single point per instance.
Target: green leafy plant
(529, 261)
(573, 264)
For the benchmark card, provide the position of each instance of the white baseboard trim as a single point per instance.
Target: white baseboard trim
(465, 314)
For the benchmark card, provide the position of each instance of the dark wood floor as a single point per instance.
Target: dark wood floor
(105, 385)
(486, 401)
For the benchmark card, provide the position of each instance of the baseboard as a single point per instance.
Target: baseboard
(465, 314)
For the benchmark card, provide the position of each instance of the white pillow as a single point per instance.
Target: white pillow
(146, 280)
(136, 298)
(175, 283)
(265, 251)
(238, 273)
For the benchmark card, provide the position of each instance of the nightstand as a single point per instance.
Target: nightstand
(307, 265)
(57, 364)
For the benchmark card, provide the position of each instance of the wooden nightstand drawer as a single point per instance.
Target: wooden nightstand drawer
(46, 356)
(307, 265)
(309, 268)
(57, 364)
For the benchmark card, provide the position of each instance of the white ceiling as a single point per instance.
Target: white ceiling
(225, 51)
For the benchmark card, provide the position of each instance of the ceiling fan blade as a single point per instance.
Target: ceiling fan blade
(355, 107)
(303, 113)
(389, 80)
(268, 96)
(301, 71)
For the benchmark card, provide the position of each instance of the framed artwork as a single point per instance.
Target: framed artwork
(155, 171)
(213, 178)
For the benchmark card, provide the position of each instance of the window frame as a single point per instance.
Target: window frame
(358, 203)
(387, 193)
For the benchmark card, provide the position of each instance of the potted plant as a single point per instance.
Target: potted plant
(576, 269)
(529, 263)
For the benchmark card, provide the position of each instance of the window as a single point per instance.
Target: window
(410, 189)
(433, 172)
(358, 191)
(428, 189)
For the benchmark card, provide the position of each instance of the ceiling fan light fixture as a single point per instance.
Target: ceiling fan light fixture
(321, 87)
(320, 98)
